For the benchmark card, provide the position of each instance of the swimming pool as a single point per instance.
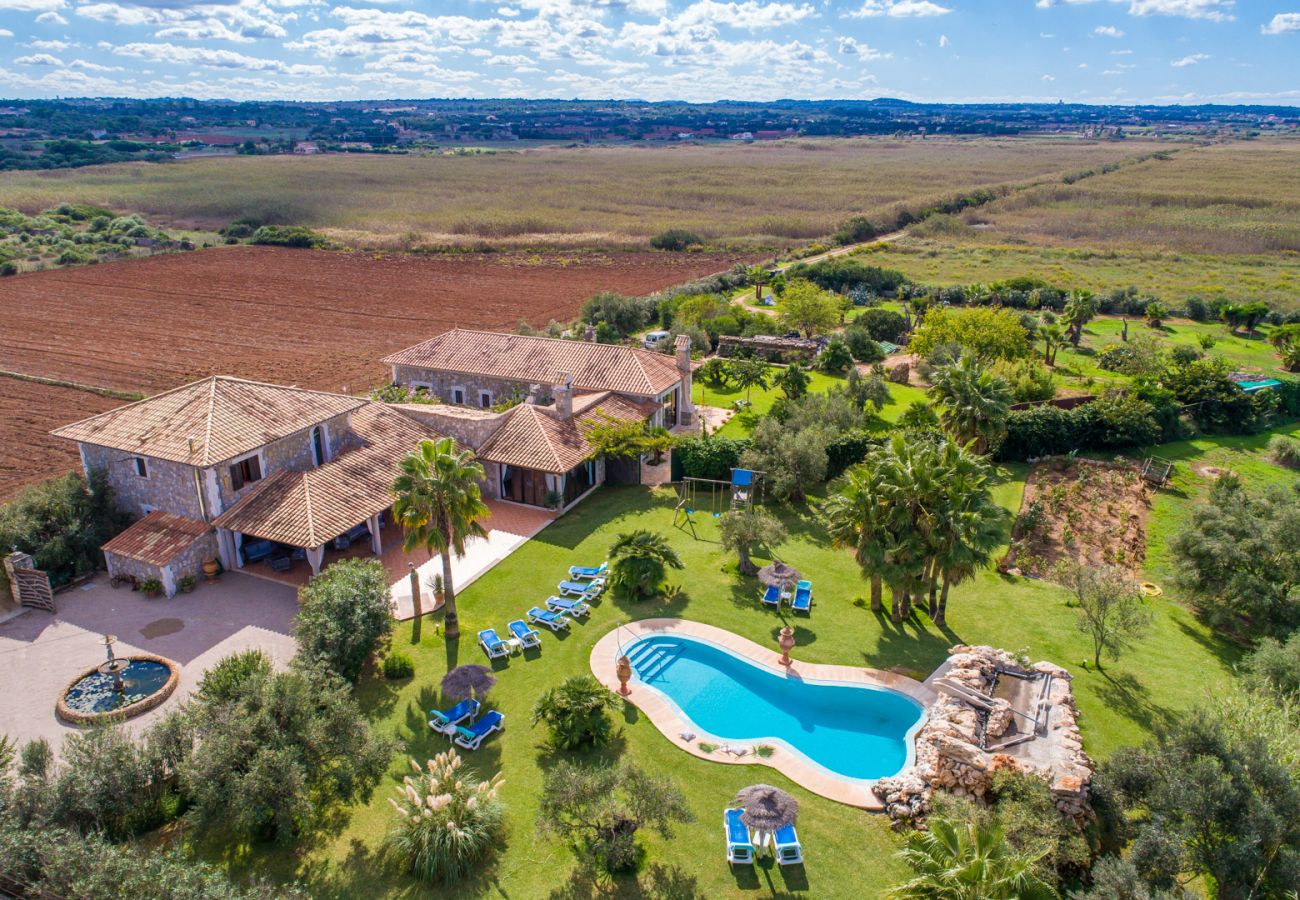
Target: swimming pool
(853, 731)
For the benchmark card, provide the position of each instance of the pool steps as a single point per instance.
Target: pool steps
(650, 660)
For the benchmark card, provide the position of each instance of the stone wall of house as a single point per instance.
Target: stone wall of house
(169, 486)
(441, 384)
(469, 431)
(293, 453)
(188, 562)
(122, 565)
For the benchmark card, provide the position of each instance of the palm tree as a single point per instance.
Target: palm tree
(967, 861)
(973, 402)
(1053, 336)
(1079, 310)
(855, 516)
(967, 526)
(639, 561)
(439, 506)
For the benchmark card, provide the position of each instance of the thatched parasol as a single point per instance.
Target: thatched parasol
(465, 682)
(766, 809)
(779, 574)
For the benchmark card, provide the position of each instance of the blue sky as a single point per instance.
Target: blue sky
(1125, 51)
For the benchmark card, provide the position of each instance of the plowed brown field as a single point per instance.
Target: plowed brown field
(303, 317)
(27, 412)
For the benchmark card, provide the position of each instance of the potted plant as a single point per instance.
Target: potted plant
(554, 499)
(151, 587)
(438, 592)
(186, 583)
(211, 569)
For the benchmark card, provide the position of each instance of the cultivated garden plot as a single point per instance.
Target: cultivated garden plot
(1084, 511)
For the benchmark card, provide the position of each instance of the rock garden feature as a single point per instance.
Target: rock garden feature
(1090, 512)
(966, 741)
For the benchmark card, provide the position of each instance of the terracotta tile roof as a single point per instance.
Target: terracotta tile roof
(534, 437)
(542, 360)
(209, 421)
(306, 509)
(157, 538)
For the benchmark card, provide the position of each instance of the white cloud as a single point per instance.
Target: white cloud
(5, 32)
(508, 11)
(31, 5)
(1189, 60)
(1121, 53)
(943, 40)
(1214, 10)
(1048, 78)
(50, 18)
(38, 59)
(242, 21)
(1109, 31)
(214, 59)
(899, 9)
(850, 47)
(749, 15)
(1281, 24)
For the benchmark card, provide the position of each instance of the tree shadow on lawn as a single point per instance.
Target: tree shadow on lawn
(1131, 699)
(658, 881)
(668, 605)
(609, 505)
(1226, 652)
(910, 645)
(369, 873)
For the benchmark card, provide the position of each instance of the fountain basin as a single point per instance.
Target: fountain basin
(147, 679)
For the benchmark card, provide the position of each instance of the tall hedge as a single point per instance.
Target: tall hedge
(709, 457)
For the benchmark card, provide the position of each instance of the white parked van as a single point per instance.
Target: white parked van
(653, 338)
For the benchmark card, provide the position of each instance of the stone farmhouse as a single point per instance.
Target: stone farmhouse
(252, 472)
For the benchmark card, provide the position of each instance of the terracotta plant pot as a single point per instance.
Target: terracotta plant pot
(210, 569)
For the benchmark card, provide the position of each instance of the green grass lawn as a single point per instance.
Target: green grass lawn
(849, 853)
(1250, 354)
(743, 423)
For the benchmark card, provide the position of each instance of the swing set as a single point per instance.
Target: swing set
(738, 493)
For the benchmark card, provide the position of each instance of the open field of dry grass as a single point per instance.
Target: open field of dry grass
(774, 194)
(1225, 199)
(1273, 278)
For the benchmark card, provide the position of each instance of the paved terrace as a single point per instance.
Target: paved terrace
(40, 653)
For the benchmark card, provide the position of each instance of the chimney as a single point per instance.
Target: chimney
(564, 397)
(683, 345)
(534, 392)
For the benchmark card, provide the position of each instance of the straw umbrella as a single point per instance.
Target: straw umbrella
(466, 682)
(766, 810)
(779, 574)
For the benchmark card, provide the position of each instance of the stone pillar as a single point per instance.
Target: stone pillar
(685, 408)
(376, 539)
(168, 579)
(315, 556)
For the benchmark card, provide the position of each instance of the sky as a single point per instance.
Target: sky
(1092, 51)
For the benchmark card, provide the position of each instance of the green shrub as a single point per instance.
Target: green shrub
(398, 666)
(576, 712)
(227, 679)
(863, 346)
(342, 615)
(447, 823)
(8, 268)
(835, 358)
(880, 324)
(855, 231)
(675, 239)
(62, 523)
(1284, 451)
(290, 236)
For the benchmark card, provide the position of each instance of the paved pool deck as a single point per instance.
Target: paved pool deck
(657, 708)
(40, 652)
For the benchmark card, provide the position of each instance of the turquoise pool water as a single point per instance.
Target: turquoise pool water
(855, 731)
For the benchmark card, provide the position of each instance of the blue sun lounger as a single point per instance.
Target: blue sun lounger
(463, 710)
(492, 644)
(567, 606)
(585, 589)
(740, 846)
(527, 637)
(581, 573)
(551, 620)
(471, 737)
(802, 601)
(788, 850)
(772, 596)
